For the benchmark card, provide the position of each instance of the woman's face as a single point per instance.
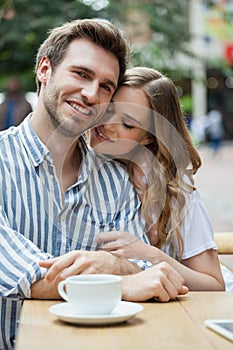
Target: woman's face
(125, 125)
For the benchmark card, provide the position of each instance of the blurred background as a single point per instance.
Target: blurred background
(189, 40)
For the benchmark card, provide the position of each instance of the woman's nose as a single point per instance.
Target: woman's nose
(109, 126)
(112, 122)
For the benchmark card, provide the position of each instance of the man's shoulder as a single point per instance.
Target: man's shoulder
(10, 141)
(8, 133)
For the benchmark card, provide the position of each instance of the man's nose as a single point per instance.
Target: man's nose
(90, 92)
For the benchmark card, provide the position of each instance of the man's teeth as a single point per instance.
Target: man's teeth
(80, 109)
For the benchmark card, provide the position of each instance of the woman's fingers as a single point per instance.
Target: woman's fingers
(107, 236)
(160, 281)
(115, 240)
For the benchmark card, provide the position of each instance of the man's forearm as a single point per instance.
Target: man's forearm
(75, 263)
(42, 290)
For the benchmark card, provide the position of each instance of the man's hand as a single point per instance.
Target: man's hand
(80, 262)
(43, 290)
(160, 281)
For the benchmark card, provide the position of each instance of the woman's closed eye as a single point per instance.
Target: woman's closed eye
(127, 125)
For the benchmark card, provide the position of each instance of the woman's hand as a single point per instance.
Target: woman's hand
(123, 244)
(160, 281)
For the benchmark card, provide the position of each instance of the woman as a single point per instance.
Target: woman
(146, 130)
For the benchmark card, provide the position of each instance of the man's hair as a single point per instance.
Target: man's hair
(98, 31)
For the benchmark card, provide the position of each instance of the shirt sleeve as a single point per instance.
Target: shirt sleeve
(123, 204)
(19, 259)
(196, 229)
(143, 264)
(131, 220)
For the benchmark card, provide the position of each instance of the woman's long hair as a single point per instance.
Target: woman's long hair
(174, 159)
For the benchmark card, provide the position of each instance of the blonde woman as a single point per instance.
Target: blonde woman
(145, 129)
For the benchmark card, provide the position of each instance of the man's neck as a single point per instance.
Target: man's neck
(67, 159)
(64, 151)
(68, 171)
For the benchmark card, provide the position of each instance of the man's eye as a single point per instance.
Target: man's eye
(81, 74)
(128, 126)
(106, 87)
(109, 112)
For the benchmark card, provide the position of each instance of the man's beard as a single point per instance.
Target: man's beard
(50, 103)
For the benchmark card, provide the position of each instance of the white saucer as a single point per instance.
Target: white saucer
(123, 312)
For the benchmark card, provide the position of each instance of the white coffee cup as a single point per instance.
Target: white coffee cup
(94, 294)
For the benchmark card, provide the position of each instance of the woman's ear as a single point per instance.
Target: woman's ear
(147, 140)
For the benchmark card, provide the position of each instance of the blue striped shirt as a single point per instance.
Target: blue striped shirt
(36, 222)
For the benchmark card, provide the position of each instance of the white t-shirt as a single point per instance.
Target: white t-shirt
(198, 235)
(196, 230)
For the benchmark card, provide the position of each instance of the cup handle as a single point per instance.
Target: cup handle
(61, 290)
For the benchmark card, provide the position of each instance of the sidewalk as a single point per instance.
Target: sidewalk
(214, 181)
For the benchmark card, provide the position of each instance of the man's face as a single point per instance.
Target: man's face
(79, 87)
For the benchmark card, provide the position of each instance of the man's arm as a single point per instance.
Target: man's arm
(19, 261)
(44, 290)
(128, 217)
(80, 262)
(74, 263)
(160, 281)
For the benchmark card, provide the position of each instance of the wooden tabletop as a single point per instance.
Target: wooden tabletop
(163, 326)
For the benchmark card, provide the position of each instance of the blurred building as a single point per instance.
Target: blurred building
(211, 74)
(212, 30)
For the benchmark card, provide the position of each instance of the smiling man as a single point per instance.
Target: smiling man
(72, 90)
(71, 97)
(52, 188)
(57, 196)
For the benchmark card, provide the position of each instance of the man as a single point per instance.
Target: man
(56, 196)
(15, 107)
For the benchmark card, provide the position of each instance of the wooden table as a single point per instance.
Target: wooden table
(162, 326)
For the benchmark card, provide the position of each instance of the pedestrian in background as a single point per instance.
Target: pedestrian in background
(15, 107)
(214, 129)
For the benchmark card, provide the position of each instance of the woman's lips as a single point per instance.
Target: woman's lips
(100, 135)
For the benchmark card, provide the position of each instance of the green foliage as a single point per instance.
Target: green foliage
(24, 25)
(169, 32)
(186, 104)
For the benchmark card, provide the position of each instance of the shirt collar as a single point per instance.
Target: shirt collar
(35, 148)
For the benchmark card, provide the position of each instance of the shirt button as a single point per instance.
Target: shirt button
(51, 176)
(63, 217)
